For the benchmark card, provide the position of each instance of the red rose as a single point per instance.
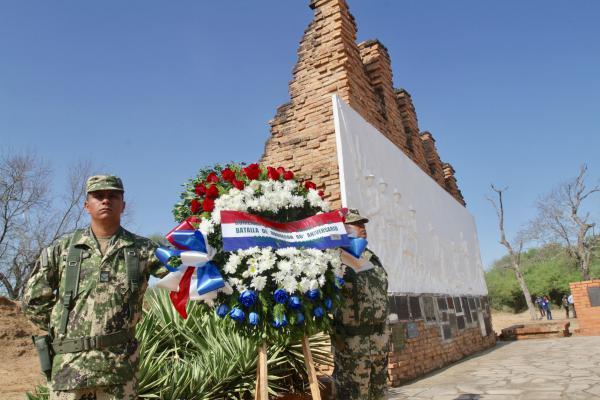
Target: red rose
(200, 189)
(281, 170)
(272, 173)
(321, 193)
(309, 185)
(252, 171)
(288, 175)
(227, 175)
(208, 205)
(194, 220)
(212, 192)
(238, 184)
(212, 178)
(195, 206)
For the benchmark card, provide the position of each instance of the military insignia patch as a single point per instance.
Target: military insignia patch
(104, 276)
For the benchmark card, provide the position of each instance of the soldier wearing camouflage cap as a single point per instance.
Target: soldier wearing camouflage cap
(86, 290)
(360, 342)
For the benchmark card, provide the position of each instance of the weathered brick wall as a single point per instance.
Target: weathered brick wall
(436, 330)
(588, 315)
(330, 61)
(428, 351)
(303, 140)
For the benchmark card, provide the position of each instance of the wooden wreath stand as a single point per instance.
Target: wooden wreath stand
(262, 387)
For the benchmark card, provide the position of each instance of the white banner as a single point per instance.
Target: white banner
(426, 240)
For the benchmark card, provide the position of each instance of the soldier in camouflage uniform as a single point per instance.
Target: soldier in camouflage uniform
(86, 290)
(360, 342)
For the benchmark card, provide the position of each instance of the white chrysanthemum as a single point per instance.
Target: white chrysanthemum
(290, 284)
(279, 276)
(289, 185)
(285, 266)
(304, 285)
(207, 226)
(297, 201)
(313, 284)
(237, 284)
(287, 251)
(254, 185)
(321, 280)
(259, 282)
(232, 264)
(250, 251)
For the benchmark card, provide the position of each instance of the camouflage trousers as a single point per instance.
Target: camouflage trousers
(360, 370)
(127, 391)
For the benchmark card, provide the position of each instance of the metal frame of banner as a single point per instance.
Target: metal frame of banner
(262, 386)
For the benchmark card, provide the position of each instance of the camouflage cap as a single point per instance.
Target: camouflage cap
(354, 217)
(104, 182)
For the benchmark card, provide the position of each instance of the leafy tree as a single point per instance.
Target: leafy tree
(547, 270)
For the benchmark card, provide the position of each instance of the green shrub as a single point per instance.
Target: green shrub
(547, 270)
(203, 357)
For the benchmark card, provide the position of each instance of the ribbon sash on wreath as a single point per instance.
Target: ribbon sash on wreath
(241, 230)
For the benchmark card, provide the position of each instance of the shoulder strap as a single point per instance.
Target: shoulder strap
(132, 264)
(71, 280)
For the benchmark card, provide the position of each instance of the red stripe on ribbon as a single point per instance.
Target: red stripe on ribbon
(230, 217)
(180, 298)
(184, 226)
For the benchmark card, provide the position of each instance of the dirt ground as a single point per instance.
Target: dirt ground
(501, 320)
(18, 359)
(19, 363)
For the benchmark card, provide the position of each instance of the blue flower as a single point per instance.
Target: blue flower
(313, 294)
(295, 303)
(222, 310)
(237, 314)
(280, 296)
(280, 322)
(318, 312)
(248, 298)
(339, 281)
(253, 318)
(299, 318)
(328, 304)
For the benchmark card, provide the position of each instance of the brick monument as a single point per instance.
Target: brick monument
(586, 297)
(433, 329)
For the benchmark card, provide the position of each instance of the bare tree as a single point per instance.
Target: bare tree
(32, 216)
(560, 219)
(514, 256)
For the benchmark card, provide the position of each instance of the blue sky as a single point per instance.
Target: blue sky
(152, 90)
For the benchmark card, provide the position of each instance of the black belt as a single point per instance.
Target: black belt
(86, 343)
(361, 330)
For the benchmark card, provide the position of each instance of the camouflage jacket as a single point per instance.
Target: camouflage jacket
(365, 295)
(101, 306)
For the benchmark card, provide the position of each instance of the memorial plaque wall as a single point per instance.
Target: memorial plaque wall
(460, 321)
(402, 307)
(398, 337)
(428, 309)
(457, 305)
(412, 331)
(594, 296)
(415, 307)
(453, 322)
(442, 303)
(472, 303)
(467, 311)
(447, 331)
(450, 301)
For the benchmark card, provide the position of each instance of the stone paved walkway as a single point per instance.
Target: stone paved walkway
(544, 369)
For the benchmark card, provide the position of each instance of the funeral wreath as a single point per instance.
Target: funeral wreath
(259, 246)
